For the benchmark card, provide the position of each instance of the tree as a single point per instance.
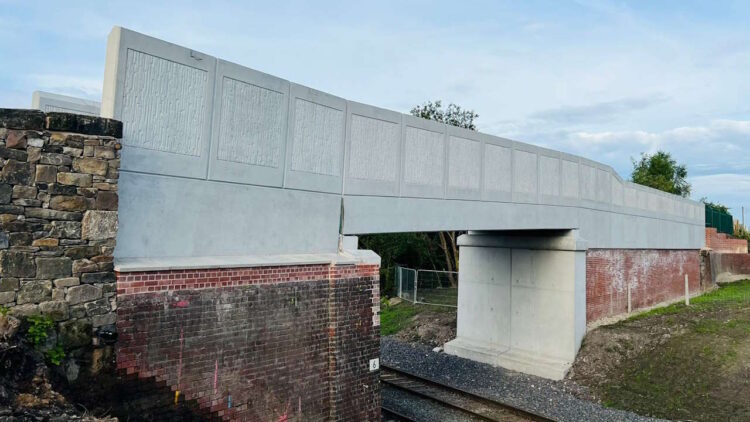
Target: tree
(661, 171)
(453, 115)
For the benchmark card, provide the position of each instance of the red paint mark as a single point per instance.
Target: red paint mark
(285, 416)
(181, 304)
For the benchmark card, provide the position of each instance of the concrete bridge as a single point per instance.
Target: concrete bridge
(232, 177)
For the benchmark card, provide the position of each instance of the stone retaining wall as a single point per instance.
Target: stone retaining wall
(58, 213)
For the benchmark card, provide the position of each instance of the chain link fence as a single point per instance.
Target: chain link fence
(427, 286)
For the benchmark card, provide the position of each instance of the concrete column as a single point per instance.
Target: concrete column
(521, 300)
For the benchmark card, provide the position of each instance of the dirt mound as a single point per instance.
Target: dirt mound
(433, 328)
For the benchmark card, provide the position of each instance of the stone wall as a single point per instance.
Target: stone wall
(58, 212)
(654, 277)
(261, 343)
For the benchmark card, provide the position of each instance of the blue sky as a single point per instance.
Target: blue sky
(607, 80)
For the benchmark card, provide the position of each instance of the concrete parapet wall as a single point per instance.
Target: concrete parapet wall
(262, 343)
(652, 276)
(58, 211)
(727, 267)
(200, 125)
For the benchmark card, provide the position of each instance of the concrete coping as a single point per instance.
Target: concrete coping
(561, 240)
(125, 265)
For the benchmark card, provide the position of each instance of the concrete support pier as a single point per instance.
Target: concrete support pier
(521, 300)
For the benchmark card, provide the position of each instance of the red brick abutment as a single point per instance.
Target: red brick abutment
(261, 343)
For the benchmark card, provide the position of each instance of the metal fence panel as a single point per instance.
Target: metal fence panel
(427, 286)
(722, 221)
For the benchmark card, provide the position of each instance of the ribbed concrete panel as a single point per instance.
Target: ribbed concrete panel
(249, 126)
(498, 172)
(47, 101)
(424, 159)
(549, 176)
(464, 175)
(569, 179)
(524, 176)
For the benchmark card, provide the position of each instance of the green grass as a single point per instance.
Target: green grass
(394, 318)
(733, 295)
(697, 372)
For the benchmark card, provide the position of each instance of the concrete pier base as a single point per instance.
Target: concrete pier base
(522, 300)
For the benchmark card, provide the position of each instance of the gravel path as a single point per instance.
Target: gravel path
(554, 399)
(420, 409)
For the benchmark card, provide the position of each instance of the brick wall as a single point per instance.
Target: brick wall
(58, 211)
(654, 276)
(721, 242)
(264, 343)
(727, 267)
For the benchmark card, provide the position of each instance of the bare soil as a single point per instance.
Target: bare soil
(433, 327)
(682, 363)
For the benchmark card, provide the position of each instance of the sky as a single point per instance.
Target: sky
(607, 80)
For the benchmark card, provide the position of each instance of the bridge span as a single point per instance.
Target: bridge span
(225, 167)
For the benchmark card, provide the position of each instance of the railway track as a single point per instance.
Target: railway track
(474, 406)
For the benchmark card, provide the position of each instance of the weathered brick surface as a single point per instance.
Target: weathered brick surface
(654, 276)
(266, 343)
(729, 264)
(721, 242)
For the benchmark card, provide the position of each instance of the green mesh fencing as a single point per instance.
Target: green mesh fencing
(722, 221)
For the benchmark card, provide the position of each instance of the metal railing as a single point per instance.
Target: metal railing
(722, 221)
(430, 287)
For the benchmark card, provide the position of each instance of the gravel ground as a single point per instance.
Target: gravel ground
(420, 409)
(555, 399)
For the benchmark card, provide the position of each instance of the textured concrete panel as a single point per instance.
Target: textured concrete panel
(603, 186)
(549, 176)
(424, 151)
(47, 102)
(497, 168)
(617, 192)
(524, 172)
(463, 157)
(252, 125)
(374, 153)
(318, 138)
(163, 105)
(569, 179)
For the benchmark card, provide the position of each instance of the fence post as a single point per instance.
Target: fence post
(416, 282)
(687, 291)
(630, 303)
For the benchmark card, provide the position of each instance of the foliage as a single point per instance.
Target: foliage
(4, 310)
(394, 318)
(661, 171)
(55, 355)
(39, 327)
(453, 115)
(715, 205)
(740, 231)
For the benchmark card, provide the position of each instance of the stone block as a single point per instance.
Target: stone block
(83, 124)
(77, 311)
(65, 229)
(17, 264)
(46, 242)
(27, 192)
(27, 202)
(13, 154)
(16, 139)
(58, 294)
(11, 209)
(75, 179)
(7, 297)
(79, 252)
(16, 173)
(57, 310)
(67, 203)
(4, 240)
(105, 152)
(34, 154)
(51, 268)
(106, 319)
(75, 333)
(9, 326)
(97, 307)
(26, 310)
(34, 291)
(59, 189)
(35, 142)
(106, 201)
(20, 239)
(48, 214)
(6, 193)
(73, 152)
(83, 293)
(84, 266)
(99, 225)
(11, 118)
(46, 173)
(98, 277)
(9, 284)
(67, 282)
(90, 166)
(55, 159)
